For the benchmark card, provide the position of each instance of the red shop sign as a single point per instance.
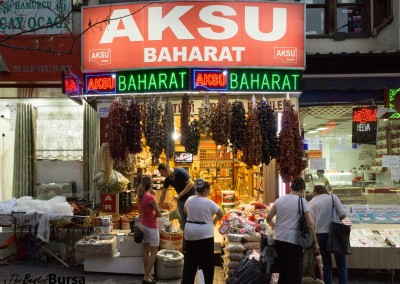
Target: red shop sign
(109, 202)
(33, 66)
(194, 34)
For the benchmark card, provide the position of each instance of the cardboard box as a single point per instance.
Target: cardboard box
(128, 247)
(103, 230)
(101, 247)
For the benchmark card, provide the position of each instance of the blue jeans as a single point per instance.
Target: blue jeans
(340, 259)
(182, 221)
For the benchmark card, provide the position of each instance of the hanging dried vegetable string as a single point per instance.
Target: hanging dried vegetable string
(205, 116)
(252, 151)
(144, 118)
(116, 130)
(238, 126)
(290, 159)
(185, 116)
(133, 128)
(154, 134)
(268, 132)
(169, 130)
(192, 145)
(221, 121)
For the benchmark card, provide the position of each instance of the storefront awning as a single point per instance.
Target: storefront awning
(351, 81)
(329, 97)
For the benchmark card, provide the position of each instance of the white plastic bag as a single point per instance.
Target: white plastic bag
(200, 277)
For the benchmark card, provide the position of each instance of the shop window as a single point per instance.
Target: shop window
(77, 4)
(346, 18)
(59, 132)
(103, 2)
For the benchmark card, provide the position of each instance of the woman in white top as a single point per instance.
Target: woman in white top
(321, 212)
(202, 215)
(290, 253)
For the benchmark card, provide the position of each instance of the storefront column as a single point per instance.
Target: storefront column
(270, 182)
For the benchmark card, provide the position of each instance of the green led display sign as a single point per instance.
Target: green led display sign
(264, 80)
(141, 81)
(182, 79)
(394, 102)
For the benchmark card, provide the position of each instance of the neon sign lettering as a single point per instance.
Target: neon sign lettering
(210, 80)
(264, 80)
(70, 86)
(169, 80)
(364, 115)
(100, 83)
(182, 79)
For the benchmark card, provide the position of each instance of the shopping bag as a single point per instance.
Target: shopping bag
(338, 236)
(137, 234)
(174, 214)
(303, 233)
(200, 277)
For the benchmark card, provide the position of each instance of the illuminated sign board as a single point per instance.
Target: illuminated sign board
(141, 81)
(71, 86)
(104, 83)
(246, 80)
(364, 125)
(180, 80)
(392, 100)
(264, 80)
(210, 80)
(177, 34)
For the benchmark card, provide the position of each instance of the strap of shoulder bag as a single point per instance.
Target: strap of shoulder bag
(301, 212)
(333, 205)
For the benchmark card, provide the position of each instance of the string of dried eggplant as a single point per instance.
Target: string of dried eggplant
(133, 130)
(185, 117)
(290, 160)
(238, 126)
(155, 135)
(252, 151)
(268, 131)
(193, 141)
(116, 130)
(205, 117)
(221, 121)
(169, 130)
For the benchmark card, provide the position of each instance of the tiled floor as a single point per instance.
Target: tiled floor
(17, 273)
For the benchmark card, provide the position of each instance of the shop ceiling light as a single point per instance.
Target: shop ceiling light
(321, 128)
(312, 131)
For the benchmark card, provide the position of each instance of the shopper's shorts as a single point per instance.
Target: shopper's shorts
(150, 235)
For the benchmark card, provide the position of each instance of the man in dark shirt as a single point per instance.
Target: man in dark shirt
(180, 180)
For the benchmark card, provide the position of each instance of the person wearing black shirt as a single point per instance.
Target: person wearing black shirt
(180, 180)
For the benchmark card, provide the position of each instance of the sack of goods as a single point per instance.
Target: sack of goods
(169, 264)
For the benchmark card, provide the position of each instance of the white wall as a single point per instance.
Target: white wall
(7, 124)
(61, 171)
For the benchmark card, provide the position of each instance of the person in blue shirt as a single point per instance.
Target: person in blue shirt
(180, 180)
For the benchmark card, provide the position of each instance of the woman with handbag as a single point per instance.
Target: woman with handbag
(203, 214)
(148, 224)
(321, 211)
(286, 232)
